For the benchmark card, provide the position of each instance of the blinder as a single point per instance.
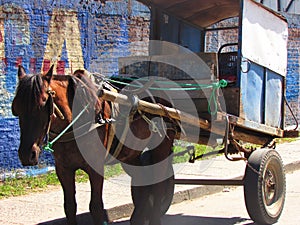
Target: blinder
(51, 105)
(51, 112)
(13, 110)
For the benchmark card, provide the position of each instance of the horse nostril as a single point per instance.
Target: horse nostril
(33, 155)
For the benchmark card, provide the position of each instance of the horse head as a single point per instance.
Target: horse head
(33, 105)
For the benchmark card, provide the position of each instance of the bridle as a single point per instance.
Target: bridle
(54, 111)
(65, 135)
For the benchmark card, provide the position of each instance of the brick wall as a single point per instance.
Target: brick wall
(293, 71)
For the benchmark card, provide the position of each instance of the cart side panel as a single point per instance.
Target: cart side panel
(264, 37)
(169, 28)
(187, 68)
(263, 66)
(262, 96)
(252, 94)
(274, 101)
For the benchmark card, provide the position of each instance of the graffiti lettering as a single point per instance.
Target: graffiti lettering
(64, 31)
(17, 46)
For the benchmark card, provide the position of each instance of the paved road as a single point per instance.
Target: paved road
(46, 208)
(228, 208)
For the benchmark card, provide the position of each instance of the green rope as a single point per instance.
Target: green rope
(186, 87)
(111, 79)
(213, 98)
(49, 145)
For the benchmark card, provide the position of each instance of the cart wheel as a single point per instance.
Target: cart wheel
(264, 187)
(166, 200)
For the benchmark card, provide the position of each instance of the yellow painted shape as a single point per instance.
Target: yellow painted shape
(64, 28)
(2, 43)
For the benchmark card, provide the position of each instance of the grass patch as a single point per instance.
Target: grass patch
(113, 170)
(20, 186)
(25, 185)
(285, 140)
(181, 156)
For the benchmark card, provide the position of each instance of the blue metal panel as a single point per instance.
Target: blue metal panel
(274, 92)
(175, 31)
(169, 29)
(190, 37)
(252, 94)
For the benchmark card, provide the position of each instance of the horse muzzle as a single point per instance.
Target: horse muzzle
(29, 157)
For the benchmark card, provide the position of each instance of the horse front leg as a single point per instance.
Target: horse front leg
(67, 180)
(96, 203)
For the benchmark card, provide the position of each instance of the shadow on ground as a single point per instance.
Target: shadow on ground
(85, 219)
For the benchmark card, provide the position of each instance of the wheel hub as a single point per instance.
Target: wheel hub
(269, 187)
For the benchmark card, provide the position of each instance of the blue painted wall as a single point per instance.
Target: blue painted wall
(293, 70)
(106, 32)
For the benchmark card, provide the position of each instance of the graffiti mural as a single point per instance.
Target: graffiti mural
(69, 34)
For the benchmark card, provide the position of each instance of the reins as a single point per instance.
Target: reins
(49, 145)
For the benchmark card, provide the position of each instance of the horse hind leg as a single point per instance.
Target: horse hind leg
(156, 213)
(162, 192)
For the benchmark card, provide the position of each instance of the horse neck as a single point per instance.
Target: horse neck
(67, 100)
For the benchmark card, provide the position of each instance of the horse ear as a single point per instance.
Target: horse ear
(49, 74)
(21, 72)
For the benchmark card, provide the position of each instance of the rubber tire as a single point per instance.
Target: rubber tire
(165, 201)
(263, 164)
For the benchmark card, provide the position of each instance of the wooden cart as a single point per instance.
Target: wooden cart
(243, 43)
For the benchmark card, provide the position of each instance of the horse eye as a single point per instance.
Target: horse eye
(42, 101)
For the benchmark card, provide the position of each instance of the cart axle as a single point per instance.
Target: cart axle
(221, 182)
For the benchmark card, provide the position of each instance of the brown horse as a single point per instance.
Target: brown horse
(45, 105)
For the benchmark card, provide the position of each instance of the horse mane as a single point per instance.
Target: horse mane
(31, 87)
(83, 79)
(29, 91)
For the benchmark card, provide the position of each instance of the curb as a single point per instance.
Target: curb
(126, 210)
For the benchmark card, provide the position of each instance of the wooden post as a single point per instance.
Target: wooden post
(155, 109)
